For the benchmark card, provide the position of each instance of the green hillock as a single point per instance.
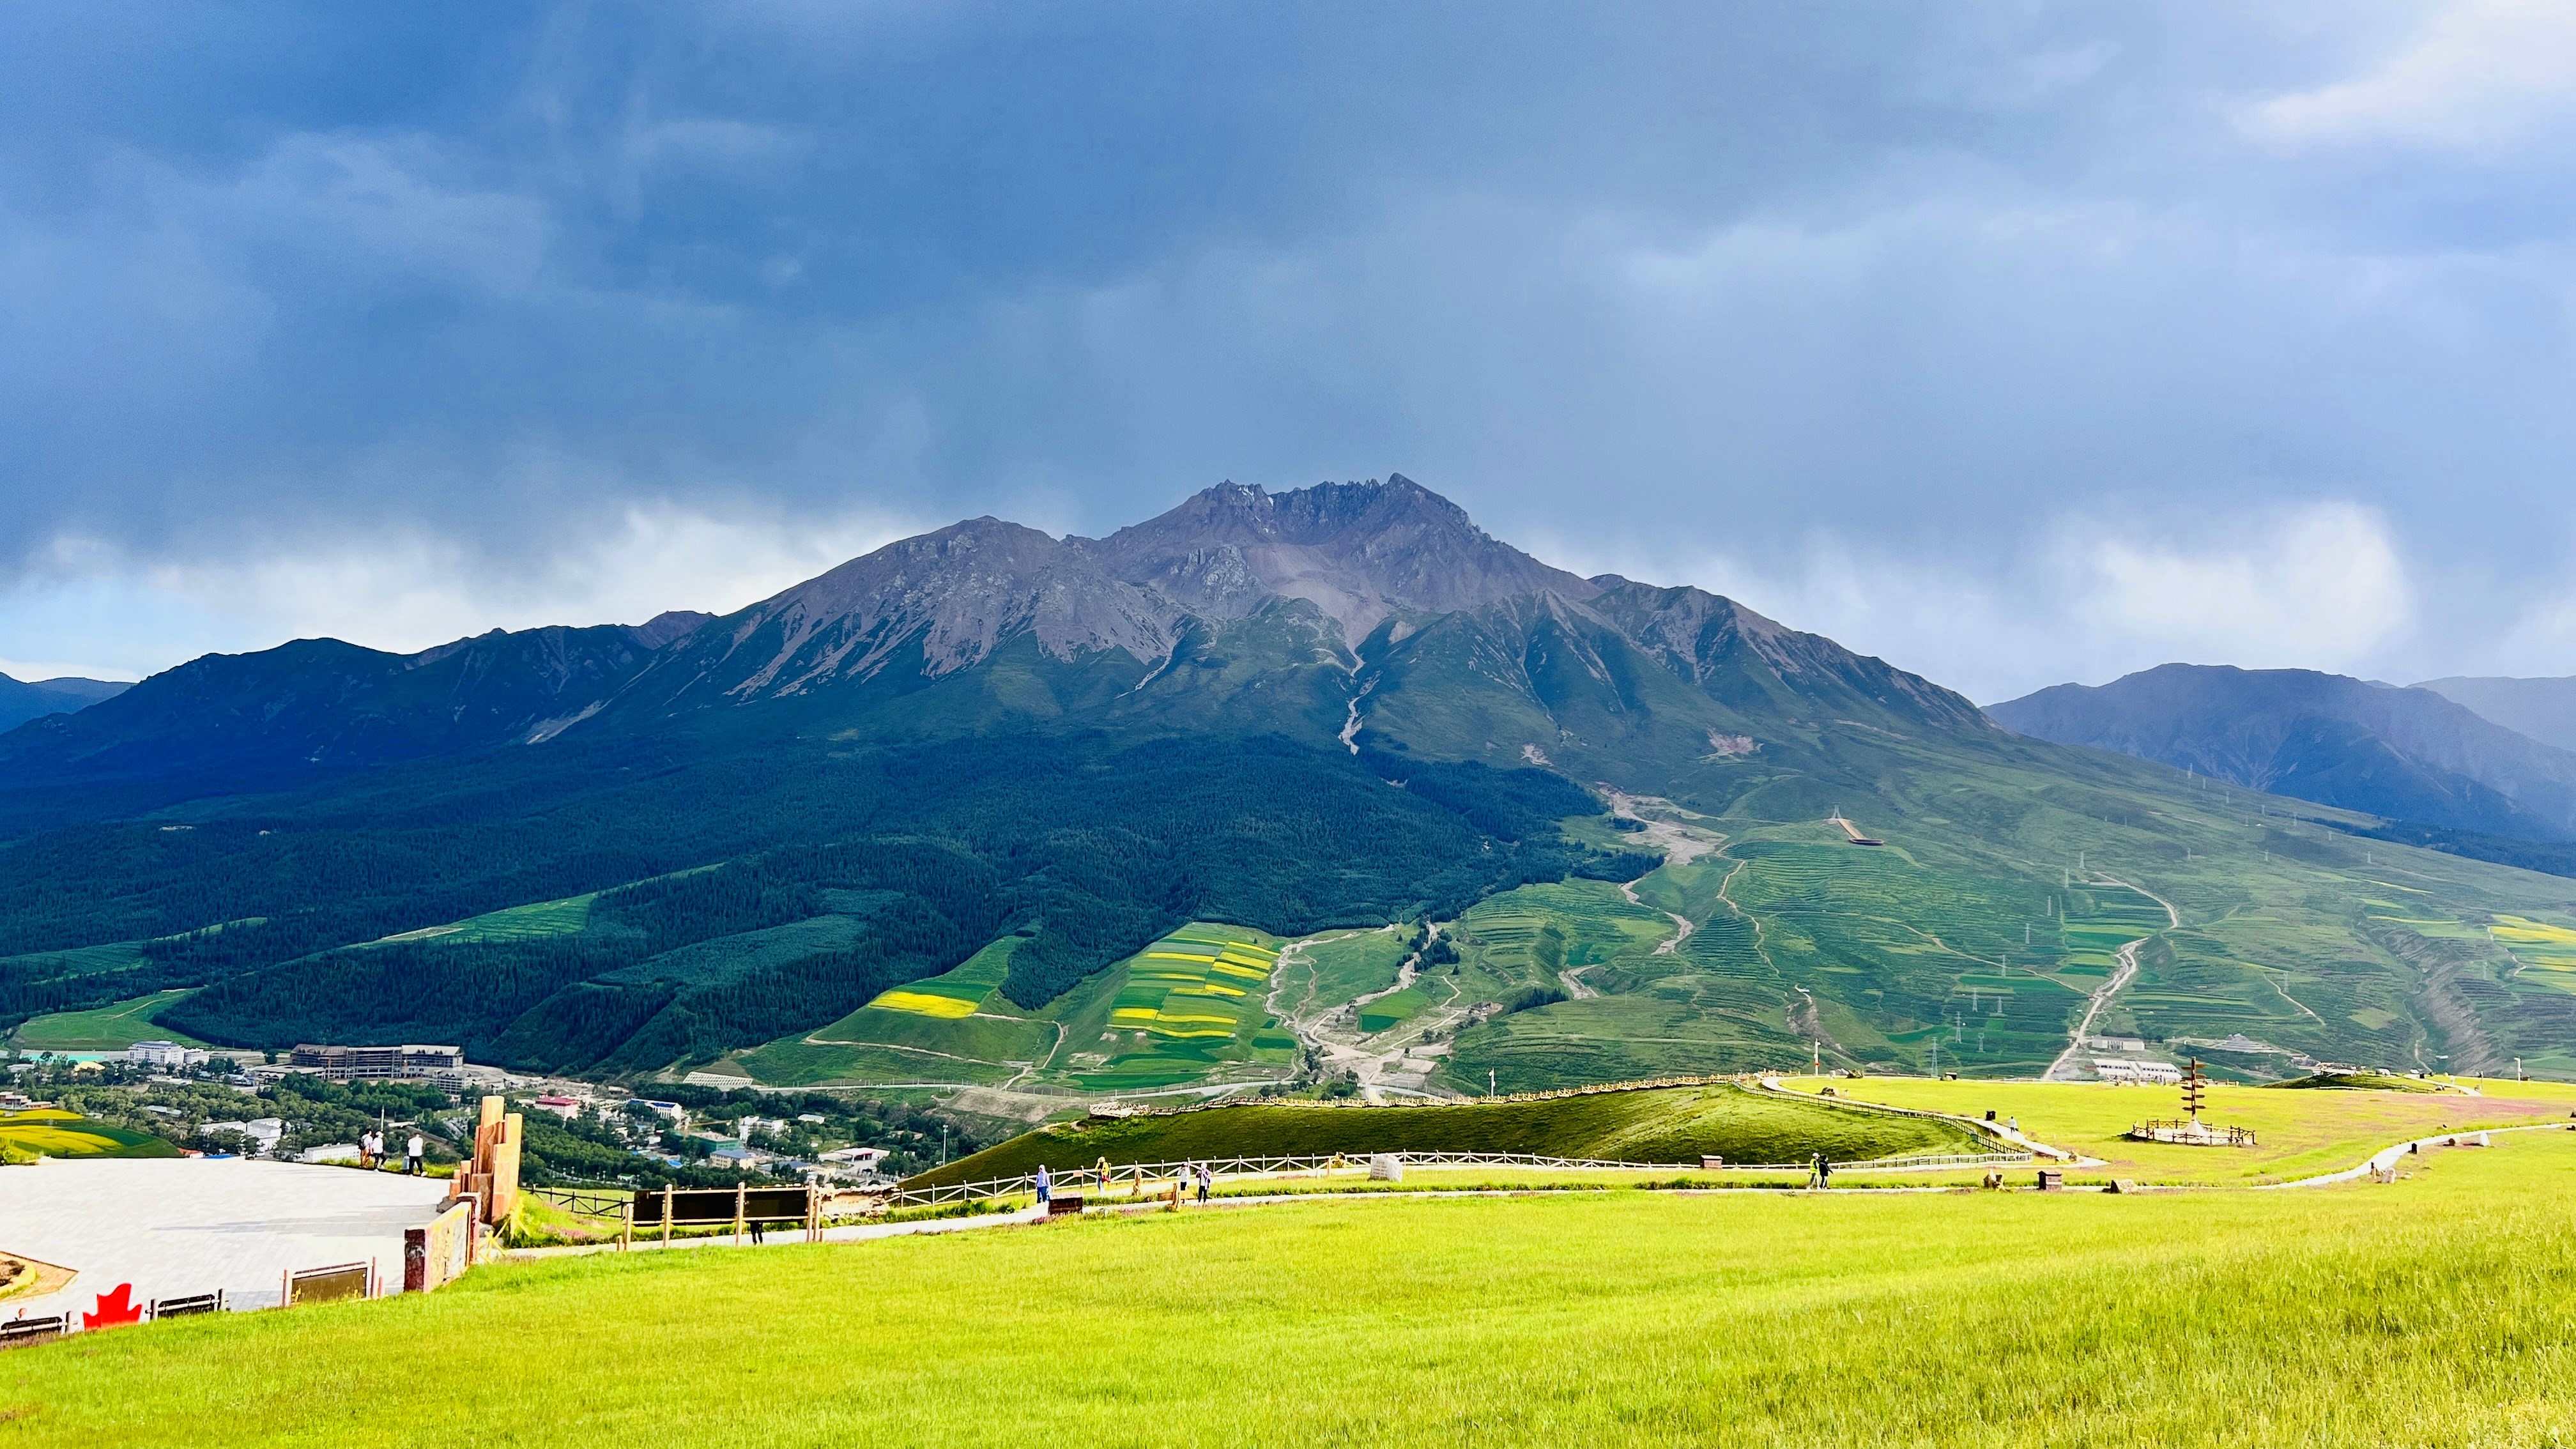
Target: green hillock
(2363, 1082)
(1650, 1125)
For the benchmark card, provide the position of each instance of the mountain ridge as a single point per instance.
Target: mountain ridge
(23, 700)
(2400, 753)
(2543, 709)
(1228, 569)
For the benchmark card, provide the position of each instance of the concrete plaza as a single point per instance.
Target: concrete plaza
(174, 1227)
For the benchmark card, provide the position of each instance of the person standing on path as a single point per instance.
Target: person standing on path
(412, 1156)
(1824, 1172)
(1046, 1186)
(1207, 1179)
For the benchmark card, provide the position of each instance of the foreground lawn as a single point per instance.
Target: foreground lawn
(2301, 1132)
(2434, 1312)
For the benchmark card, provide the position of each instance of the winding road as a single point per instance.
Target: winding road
(2063, 1069)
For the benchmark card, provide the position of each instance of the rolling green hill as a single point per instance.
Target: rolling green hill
(1660, 1125)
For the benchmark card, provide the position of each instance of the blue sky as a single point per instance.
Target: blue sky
(2014, 342)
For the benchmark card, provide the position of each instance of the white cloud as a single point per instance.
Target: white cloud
(2479, 76)
(2541, 640)
(2320, 587)
(117, 617)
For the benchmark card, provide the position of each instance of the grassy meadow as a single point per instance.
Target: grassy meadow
(2429, 1312)
(102, 1029)
(2298, 1133)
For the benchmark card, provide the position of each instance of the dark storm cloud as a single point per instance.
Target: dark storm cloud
(1876, 311)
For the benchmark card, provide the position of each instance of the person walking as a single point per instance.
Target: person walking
(1824, 1173)
(367, 1148)
(1816, 1172)
(412, 1158)
(1046, 1186)
(1207, 1179)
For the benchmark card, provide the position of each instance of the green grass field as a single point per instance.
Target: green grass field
(530, 922)
(1663, 1125)
(105, 1029)
(2298, 1134)
(2432, 1312)
(1332, 969)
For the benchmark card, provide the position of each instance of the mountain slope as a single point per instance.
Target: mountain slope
(2406, 754)
(21, 702)
(2544, 709)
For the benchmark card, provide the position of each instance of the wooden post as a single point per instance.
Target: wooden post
(740, 1188)
(667, 1190)
(626, 1225)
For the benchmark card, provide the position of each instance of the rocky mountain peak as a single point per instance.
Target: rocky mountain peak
(1357, 551)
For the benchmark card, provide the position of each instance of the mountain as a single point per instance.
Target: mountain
(2404, 754)
(2544, 709)
(21, 702)
(1616, 829)
(319, 705)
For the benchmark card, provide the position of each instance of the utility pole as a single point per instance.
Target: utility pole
(1489, 1082)
(1815, 1058)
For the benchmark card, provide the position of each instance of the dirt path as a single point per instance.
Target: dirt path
(1681, 844)
(2172, 916)
(1333, 1034)
(2100, 999)
(2120, 978)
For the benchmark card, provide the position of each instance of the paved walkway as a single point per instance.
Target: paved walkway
(177, 1227)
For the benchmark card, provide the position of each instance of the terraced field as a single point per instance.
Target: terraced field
(2545, 953)
(1193, 999)
(1189, 1006)
(949, 997)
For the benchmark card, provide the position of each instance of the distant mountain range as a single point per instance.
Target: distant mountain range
(629, 851)
(2544, 709)
(21, 701)
(2404, 754)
